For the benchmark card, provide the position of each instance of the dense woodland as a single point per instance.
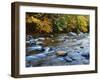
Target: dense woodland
(56, 23)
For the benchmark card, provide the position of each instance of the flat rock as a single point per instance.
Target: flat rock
(61, 53)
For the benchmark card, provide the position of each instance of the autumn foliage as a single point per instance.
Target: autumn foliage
(52, 23)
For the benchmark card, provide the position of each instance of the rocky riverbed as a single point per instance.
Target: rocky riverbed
(57, 50)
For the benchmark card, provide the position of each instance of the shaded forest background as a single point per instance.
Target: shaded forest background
(56, 23)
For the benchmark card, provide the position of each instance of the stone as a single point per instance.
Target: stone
(31, 60)
(36, 47)
(80, 33)
(85, 53)
(72, 34)
(81, 47)
(28, 37)
(74, 56)
(41, 56)
(58, 61)
(41, 39)
(39, 43)
(47, 49)
(68, 59)
(61, 53)
(85, 61)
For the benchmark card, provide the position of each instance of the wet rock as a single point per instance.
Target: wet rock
(30, 42)
(58, 61)
(85, 61)
(74, 56)
(31, 60)
(68, 59)
(28, 37)
(41, 39)
(48, 60)
(37, 47)
(41, 56)
(61, 53)
(35, 60)
(72, 34)
(80, 34)
(81, 47)
(39, 43)
(49, 53)
(47, 49)
(85, 53)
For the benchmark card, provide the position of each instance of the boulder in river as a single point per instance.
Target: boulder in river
(61, 53)
(36, 47)
(72, 34)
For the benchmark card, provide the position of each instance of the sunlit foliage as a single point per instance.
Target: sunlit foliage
(50, 23)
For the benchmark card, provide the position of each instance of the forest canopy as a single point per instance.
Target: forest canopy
(56, 23)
